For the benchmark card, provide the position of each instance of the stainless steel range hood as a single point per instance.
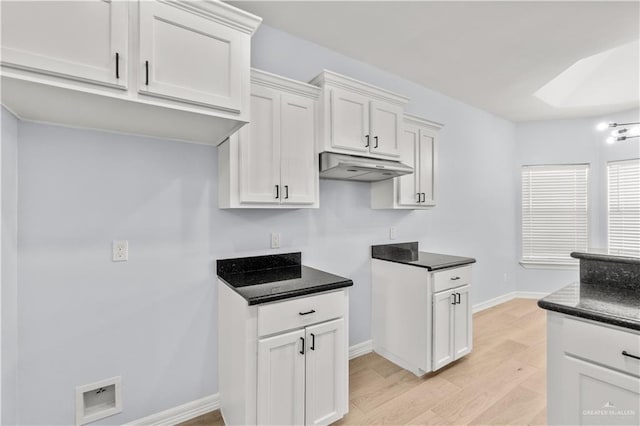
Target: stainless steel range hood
(364, 169)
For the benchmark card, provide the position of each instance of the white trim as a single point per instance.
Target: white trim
(181, 413)
(493, 302)
(360, 349)
(549, 265)
(507, 297)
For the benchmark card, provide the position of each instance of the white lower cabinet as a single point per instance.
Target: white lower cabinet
(281, 379)
(299, 376)
(452, 330)
(283, 363)
(271, 162)
(593, 373)
(422, 320)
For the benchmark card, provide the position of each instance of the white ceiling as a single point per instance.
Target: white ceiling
(493, 55)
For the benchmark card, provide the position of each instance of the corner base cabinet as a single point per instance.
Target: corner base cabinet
(593, 372)
(421, 319)
(280, 367)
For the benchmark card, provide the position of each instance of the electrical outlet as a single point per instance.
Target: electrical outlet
(393, 233)
(275, 240)
(120, 251)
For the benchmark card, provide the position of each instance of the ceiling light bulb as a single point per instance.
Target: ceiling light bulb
(611, 140)
(602, 126)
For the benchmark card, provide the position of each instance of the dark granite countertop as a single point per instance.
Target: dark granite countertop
(589, 302)
(262, 279)
(605, 255)
(407, 253)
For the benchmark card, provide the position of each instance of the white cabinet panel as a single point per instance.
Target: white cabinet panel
(349, 121)
(596, 395)
(281, 379)
(443, 344)
(42, 36)
(462, 327)
(325, 371)
(297, 149)
(386, 120)
(208, 72)
(259, 149)
(409, 185)
(427, 167)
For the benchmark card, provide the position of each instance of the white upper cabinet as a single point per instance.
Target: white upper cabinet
(259, 149)
(186, 77)
(190, 57)
(349, 121)
(40, 37)
(386, 122)
(358, 118)
(299, 173)
(271, 162)
(418, 149)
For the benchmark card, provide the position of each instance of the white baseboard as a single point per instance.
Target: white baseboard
(531, 294)
(506, 297)
(361, 349)
(181, 413)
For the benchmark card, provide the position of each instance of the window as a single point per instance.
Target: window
(624, 207)
(554, 213)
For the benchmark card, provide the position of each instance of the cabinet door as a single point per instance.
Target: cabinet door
(408, 185)
(326, 359)
(259, 149)
(74, 40)
(188, 57)
(281, 379)
(462, 324)
(297, 149)
(427, 167)
(443, 306)
(386, 120)
(596, 395)
(349, 121)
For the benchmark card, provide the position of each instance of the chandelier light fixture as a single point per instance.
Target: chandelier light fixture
(621, 131)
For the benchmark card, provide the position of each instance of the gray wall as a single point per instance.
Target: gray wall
(153, 319)
(570, 142)
(8, 266)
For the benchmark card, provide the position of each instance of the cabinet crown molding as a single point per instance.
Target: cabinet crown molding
(419, 121)
(273, 81)
(334, 79)
(220, 12)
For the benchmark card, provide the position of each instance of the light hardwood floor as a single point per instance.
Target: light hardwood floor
(502, 382)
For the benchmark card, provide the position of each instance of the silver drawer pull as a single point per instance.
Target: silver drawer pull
(313, 311)
(455, 278)
(625, 353)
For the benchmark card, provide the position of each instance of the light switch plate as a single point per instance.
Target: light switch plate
(393, 233)
(120, 251)
(275, 240)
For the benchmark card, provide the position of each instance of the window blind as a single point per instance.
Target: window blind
(624, 207)
(554, 212)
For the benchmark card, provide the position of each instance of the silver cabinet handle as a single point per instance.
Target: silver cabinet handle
(455, 278)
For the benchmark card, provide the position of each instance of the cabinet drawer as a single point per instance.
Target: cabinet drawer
(296, 313)
(603, 345)
(451, 278)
